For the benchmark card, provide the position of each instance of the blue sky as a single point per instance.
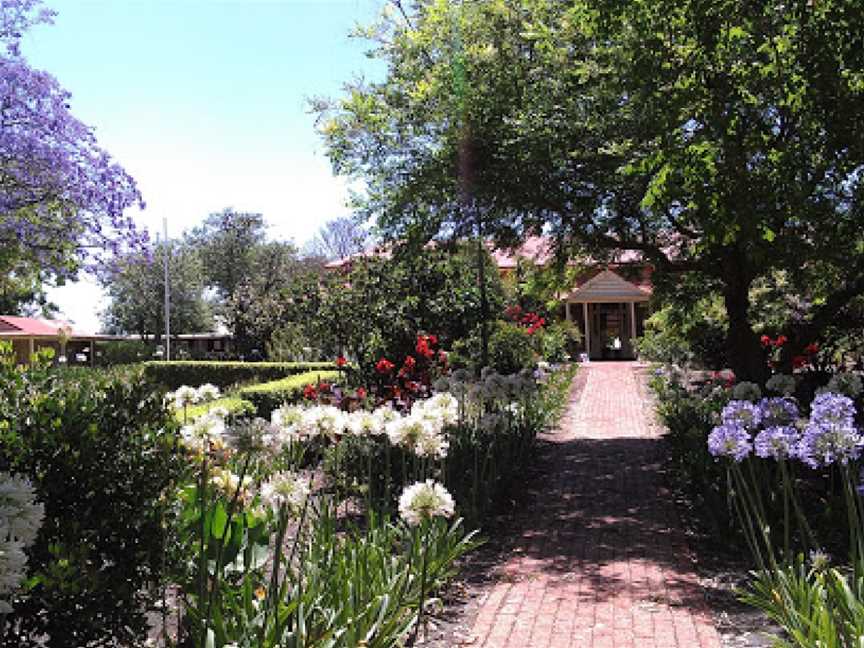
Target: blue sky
(204, 102)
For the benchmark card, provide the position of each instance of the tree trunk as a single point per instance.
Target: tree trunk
(745, 352)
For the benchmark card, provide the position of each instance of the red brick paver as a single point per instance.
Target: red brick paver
(598, 560)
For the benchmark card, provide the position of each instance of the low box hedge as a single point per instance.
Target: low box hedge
(269, 396)
(236, 407)
(173, 374)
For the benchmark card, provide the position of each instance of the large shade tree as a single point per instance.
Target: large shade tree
(719, 138)
(62, 198)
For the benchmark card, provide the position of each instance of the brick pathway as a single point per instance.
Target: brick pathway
(598, 560)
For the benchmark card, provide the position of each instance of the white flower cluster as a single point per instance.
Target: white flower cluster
(205, 430)
(424, 500)
(186, 395)
(20, 518)
(287, 489)
(421, 431)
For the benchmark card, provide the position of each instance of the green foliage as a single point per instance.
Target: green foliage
(378, 308)
(175, 373)
(677, 128)
(511, 348)
(558, 342)
(97, 447)
(269, 396)
(136, 287)
(687, 333)
(121, 352)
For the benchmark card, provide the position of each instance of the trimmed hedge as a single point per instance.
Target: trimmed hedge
(175, 373)
(235, 406)
(269, 396)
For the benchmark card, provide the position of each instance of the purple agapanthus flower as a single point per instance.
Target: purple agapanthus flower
(729, 441)
(830, 436)
(777, 412)
(742, 414)
(829, 408)
(777, 442)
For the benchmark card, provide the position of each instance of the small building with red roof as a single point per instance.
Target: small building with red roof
(30, 334)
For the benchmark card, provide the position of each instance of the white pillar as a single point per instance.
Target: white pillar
(632, 321)
(32, 346)
(587, 330)
(567, 310)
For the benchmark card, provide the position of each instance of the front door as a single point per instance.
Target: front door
(610, 332)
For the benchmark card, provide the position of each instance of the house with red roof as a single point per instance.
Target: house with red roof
(29, 334)
(608, 301)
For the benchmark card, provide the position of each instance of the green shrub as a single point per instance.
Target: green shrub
(267, 397)
(123, 352)
(559, 341)
(225, 374)
(96, 445)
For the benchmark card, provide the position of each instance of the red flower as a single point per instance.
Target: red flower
(811, 349)
(781, 340)
(799, 361)
(309, 392)
(765, 340)
(442, 358)
(361, 393)
(423, 347)
(433, 340)
(412, 386)
(324, 387)
(410, 363)
(384, 366)
(341, 361)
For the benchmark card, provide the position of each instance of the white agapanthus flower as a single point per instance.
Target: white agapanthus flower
(288, 427)
(385, 414)
(199, 433)
(185, 396)
(445, 406)
(285, 489)
(432, 444)
(228, 483)
(425, 500)
(21, 516)
(208, 392)
(363, 423)
(406, 430)
(324, 420)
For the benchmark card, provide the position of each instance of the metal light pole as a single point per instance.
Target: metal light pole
(167, 292)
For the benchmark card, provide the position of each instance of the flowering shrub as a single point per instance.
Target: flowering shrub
(96, 447)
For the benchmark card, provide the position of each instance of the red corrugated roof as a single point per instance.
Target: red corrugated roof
(36, 327)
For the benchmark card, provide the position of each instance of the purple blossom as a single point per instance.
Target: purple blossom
(741, 413)
(778, 442)
(775, 412)
(829, 408)
(830, 436)
(729, 441)
(62, 198)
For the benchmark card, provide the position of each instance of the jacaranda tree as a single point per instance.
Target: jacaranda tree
(62, 197)
(721, 138)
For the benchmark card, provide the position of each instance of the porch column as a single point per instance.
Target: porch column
(92, 353)
(32, 347)
(632, 322)
(567, 310)
(587, 330)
